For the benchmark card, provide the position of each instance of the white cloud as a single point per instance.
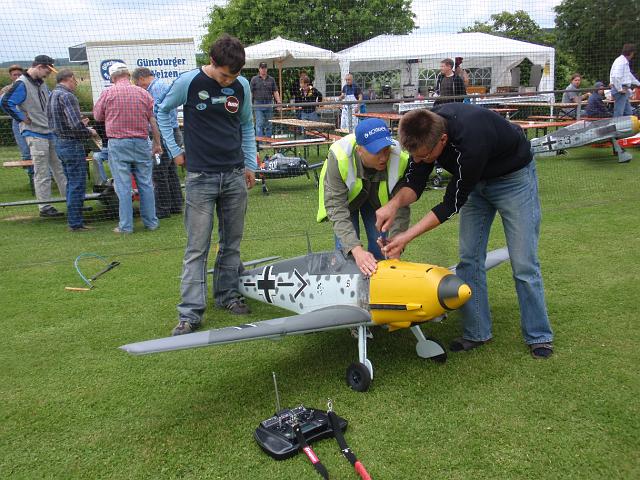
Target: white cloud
(32, 27)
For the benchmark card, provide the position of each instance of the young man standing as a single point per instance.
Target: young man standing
(448, 84)
(220, 153)
(26, 102)
(493, 172)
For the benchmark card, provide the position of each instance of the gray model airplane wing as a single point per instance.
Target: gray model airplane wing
(324, 319)
(494, 258)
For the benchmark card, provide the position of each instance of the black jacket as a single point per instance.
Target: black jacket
(458, 89)
(482, 145)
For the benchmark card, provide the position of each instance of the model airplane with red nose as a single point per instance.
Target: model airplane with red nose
(327, 291)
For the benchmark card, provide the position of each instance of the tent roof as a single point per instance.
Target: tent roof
(291, 53)
(427, 45)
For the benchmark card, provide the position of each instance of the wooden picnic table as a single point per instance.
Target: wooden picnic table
(544, 126)
(305, 125)
(29, 163)
(390, 116)
(551, 105)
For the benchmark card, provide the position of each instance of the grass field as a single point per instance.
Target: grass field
(74, 406)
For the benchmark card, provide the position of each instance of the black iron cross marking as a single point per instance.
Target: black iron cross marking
(267, 283)
(549, 143)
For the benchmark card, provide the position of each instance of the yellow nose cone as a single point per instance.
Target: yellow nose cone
(464, 294)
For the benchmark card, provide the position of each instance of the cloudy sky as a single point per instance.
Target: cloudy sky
(31, 27)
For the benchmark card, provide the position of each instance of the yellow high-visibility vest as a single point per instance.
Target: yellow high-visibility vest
(344, 151)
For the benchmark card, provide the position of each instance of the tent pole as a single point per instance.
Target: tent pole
(280, 84)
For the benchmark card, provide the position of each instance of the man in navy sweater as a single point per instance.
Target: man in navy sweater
(493, 172)
(220, 157)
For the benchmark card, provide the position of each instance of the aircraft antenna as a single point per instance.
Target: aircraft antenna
(309, 252)
(275, 386)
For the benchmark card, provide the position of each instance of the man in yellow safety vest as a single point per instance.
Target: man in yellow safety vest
(361, 173)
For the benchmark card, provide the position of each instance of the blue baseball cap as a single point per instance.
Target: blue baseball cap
(373, 134)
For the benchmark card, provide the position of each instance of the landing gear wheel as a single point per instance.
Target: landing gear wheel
(442, 358)
(358, 377)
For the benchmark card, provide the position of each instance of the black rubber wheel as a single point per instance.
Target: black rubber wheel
(439, 358)
(358, 377)
(436, 181)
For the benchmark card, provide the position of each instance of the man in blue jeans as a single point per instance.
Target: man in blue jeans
(15, 71)
(493, 172)
(220, 153)
(264, 92)
(65, 120)
(127, 111)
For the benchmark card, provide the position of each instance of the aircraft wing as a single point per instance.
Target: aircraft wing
(329, 318)
(494, 258)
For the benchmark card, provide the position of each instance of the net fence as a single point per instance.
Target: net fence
(316, 68)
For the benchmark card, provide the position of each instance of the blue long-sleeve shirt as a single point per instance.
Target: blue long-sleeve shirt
(218, 123)
(158, 89)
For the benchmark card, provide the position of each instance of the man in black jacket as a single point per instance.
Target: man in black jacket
(448, 84)
(493, 171)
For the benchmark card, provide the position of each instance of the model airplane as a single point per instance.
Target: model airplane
(281, 166)
(327, 291)
(584, 132)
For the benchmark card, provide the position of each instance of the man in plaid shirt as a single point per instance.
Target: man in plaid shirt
(63, 112)
(127, 111)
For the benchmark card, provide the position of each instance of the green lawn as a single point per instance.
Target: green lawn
(74, 406)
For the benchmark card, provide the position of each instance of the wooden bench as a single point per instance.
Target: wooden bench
(544, 117)
(29, 163)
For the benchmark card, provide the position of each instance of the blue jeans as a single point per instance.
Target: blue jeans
(313, 116)
(129, 156)
(515, 197)
(98, 161)
(226, 193)
(71, 154)
(25, 154)
(368, 214)
(263, 125)
(621, 105)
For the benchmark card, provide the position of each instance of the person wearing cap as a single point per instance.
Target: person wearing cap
(167, 189)
(361, 172)
(596, 107)
(71, 132)
(15, 72)
(264, 92)
(127, 111)
(26, 102)
(220, 151)
(493, 172)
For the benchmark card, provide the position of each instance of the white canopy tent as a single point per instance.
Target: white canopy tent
(426, 50)
(283, 53)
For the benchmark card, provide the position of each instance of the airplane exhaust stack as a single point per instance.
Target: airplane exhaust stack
(453, 292)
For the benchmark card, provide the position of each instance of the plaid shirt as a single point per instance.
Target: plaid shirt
(63, 112)
(125, 109)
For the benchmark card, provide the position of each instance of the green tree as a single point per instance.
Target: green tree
(593, 32)
(330, 24)
(518, 26)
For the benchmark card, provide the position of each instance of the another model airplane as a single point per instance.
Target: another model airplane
(584, 132)
(327, 291)
(281, 166)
